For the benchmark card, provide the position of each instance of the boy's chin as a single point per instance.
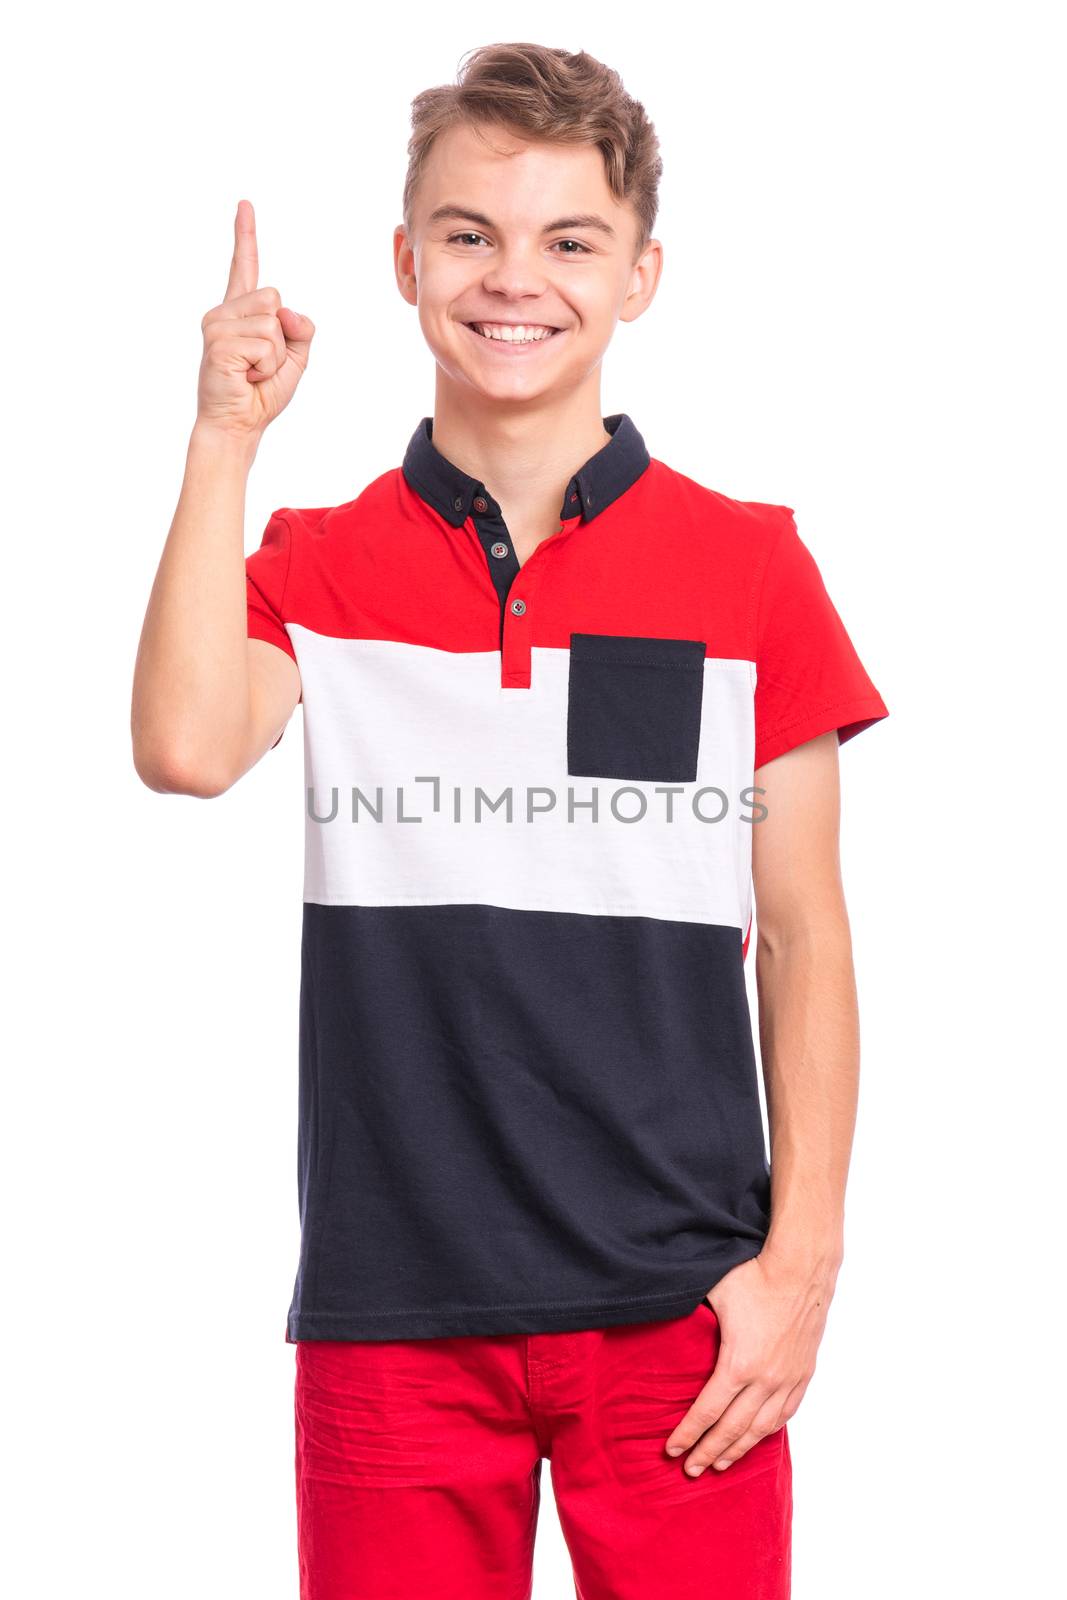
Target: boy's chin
(516, 388)
(504, 386)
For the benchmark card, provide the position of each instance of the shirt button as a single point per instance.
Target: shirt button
(457, 504)
(518, 607)
(480, 504)
(498, 550)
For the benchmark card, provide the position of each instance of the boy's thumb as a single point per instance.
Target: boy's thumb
(298, 329)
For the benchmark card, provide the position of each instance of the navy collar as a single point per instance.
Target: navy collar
(602, 479)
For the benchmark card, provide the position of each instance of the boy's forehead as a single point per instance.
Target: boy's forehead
(495, 169)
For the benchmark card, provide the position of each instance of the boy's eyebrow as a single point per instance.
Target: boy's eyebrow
(580, 219)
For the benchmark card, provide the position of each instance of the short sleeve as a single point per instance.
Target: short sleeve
(809, 678)
(266, 576)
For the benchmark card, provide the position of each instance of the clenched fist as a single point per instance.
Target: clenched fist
(255, 349)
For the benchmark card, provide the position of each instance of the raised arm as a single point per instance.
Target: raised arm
(207, 700)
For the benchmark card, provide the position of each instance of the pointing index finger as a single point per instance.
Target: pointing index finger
(244, 268)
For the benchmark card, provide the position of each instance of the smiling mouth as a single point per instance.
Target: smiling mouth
(522, 336)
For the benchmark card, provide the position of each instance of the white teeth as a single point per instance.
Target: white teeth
(521, 334)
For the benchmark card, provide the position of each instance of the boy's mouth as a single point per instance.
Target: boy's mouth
(512, 337)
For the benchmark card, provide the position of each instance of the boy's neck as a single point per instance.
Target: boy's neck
(524, 455)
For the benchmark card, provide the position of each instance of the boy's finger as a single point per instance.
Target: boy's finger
(244, 267)
(713, 1400)
(724, 1434)
(299, 331)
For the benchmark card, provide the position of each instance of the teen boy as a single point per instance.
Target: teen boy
(542, 675)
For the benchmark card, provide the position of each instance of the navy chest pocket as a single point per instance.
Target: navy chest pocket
(633, 707)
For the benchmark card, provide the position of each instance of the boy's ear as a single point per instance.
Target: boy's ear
(644, 281)
(404, 265)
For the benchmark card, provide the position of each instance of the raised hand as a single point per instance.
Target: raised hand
(255, 349)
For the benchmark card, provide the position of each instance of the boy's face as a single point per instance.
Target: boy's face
(501, 255)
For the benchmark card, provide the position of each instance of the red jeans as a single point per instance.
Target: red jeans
(418, 1468)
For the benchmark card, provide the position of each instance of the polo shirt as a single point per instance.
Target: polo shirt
(528, 1093)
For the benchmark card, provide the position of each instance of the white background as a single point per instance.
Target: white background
(861, 316)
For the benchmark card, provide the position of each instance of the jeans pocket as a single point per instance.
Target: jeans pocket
(634, 706)
(706, 1305)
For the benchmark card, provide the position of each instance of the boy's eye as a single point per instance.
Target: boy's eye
(468, 234)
